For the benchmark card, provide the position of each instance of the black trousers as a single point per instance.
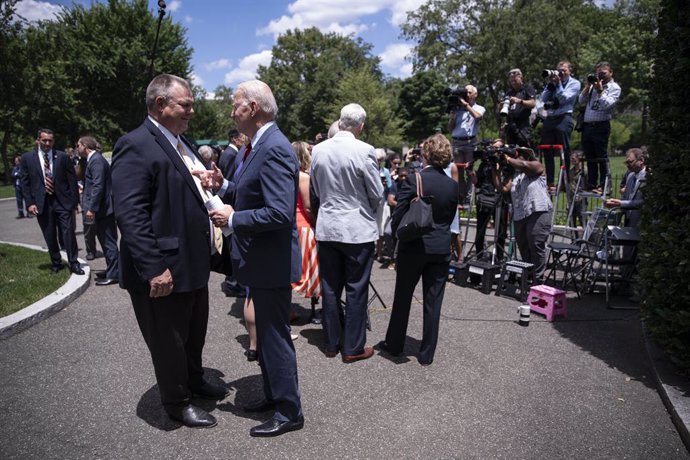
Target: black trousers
(276, 351)
(433, 269)
(106, 231)
(58, 223)
(595, 143)
(174, 328)
(556, 130)
(345, 266)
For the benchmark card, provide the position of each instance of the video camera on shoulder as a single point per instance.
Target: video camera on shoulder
(485, 151)
(453, 96)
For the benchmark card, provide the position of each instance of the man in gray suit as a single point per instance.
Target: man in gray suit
(631, 201)
(346, 190)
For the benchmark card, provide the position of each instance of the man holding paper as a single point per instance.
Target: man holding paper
(168, 246)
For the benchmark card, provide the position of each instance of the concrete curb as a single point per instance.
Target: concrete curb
(672, 387)
(47, 306)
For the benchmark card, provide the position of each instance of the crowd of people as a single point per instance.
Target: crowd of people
(276, 217)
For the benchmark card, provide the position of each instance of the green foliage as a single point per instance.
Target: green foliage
(382, 128)
(211, 116)
(25, 278)
(305, 73)
(421, 105)
(664, 252)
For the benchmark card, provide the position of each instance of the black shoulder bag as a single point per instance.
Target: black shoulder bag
(418, 219)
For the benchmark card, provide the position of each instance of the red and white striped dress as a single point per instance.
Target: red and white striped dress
(309, 284)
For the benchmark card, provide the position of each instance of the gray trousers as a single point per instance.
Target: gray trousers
(531, 234)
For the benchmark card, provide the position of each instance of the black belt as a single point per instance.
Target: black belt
(466, 138)
(595, 123)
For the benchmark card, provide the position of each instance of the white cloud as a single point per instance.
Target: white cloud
(196, 79)
(393, 60)
(400, 8)
(33, 10)
(188, 19)
(174, 5)
(246, 68)
(217, 64)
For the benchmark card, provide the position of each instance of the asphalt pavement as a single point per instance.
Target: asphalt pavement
(80, 384)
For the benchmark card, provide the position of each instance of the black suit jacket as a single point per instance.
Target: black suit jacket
(65, 185)
(442, 192)
(97, 186)
(226, 161)
(160, 213)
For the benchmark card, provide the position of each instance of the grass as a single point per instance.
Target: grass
(25, 277)
(6, 191)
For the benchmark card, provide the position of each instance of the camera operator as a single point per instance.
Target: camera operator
(600, 95)
(487, 183)
(559, 97)
(531, 207)
(521, 100)
(463, 125)
(412, 162)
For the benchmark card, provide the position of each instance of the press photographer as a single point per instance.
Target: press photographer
(599, 96)
(559, 97)
(531, 206)
(515, 110)
(463, 124)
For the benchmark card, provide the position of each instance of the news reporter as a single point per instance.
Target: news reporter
(531, 207)
(427, 257)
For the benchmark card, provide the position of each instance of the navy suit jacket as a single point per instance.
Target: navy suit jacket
(65, 185)
(443, 195)
(226, 161)
(97, 186)
(160, 213)
(265, 247)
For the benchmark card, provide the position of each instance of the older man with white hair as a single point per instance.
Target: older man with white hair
(347, 190)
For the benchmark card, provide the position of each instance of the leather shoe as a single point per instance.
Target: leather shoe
(106, 281)
(99, 274)
(251, 355)
(192, 416)
(330, 354)
(261, 405)
(76, 269)
(90, 256)
(366, 354)
(273, 427)
(56, 268)
(383, 346)
(210, 391)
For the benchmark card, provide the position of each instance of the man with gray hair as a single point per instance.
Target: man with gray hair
(346, 190)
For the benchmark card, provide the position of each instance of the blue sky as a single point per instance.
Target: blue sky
(232, 37)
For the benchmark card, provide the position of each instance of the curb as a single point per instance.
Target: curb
(47, 306)
(672, 387)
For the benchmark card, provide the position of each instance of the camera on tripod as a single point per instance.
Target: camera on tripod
(453, 95)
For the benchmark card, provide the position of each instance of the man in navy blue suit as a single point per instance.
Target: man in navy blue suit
(49, 185)
(98, 206)
(168, 246)
(265, 250)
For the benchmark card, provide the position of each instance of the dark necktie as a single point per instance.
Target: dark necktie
(48, 174)
(247, 151)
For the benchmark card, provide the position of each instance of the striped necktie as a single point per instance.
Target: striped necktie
(48, 174)
(217, 232)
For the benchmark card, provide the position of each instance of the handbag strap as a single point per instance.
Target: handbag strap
(420, 188)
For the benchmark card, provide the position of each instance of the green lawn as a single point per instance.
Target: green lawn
(6, 191)
(25, 277)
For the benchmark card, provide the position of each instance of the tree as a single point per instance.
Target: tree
(382, 128)
(421, 105)
(305, 72)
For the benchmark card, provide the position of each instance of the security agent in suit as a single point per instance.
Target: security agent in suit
(166, 246)
(226, 162)
(427, 257)
(265, 249)
(631, 201)
(346, 190)
(49, 185)
(98, 207)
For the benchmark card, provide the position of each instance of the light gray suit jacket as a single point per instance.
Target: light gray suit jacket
(345, 179)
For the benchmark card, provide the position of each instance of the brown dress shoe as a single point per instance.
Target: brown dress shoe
(366, 354)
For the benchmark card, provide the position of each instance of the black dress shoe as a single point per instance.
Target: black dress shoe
(90, 256)
(56, 268)
(273, 427)
(76, 269)
(251, 355)
(262, 405)
(99, 274)
(383, 346)
(106, 281)
(193, 417)
(210, 391)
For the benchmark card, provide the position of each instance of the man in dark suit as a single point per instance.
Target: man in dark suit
(98, 207)
(265, 249)
(226, 162)
(167, 245)
(49, 185)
